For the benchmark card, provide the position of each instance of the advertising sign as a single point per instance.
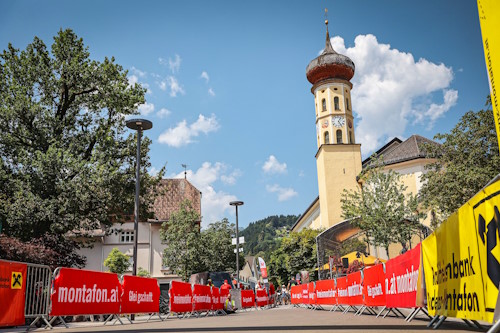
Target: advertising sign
(78, 292)
(401, 279)
(342, 293)
(326, 293)
(261, 297)
(217, 302)
(373, 285)
(12, 293)
(181, 297)
(263, 269)
(296, 293)
(312, 293)
(202, 298)
(460, 258)
(140, 295)
(247, 298)
(354, 289)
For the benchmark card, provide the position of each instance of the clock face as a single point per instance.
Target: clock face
(338, 121)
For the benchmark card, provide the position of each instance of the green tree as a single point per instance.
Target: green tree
(117, 262)
(297, 252)
(467, 160)
(67, 164)
(217, 253)
(382, 209)
(182, 236)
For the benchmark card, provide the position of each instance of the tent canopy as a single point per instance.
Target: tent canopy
(367, 260)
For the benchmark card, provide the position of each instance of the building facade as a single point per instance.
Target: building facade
(171, 193)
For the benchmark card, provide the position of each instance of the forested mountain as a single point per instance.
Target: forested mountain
(263, 235)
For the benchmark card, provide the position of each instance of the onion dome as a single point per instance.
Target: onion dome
(329, 64)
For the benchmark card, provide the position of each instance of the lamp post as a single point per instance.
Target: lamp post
(236, 204)
(138, 125)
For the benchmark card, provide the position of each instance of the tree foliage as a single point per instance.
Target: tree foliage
(117, 262)
(264, 235)
(467, 160)
(382, 209)
(217, 251)
(296, 252)
(183, 241)
(67, 164)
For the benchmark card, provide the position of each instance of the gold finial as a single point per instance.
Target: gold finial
(326, 17)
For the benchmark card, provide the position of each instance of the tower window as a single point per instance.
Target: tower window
(350, 137)
(347, 104)
(323, 103)
(339, 136)
(327, 137)
(336, 103)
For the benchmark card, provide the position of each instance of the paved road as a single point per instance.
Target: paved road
(284, 319)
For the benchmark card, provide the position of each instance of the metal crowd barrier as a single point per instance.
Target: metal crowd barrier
(37, 302)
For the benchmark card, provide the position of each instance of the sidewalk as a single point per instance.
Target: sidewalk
(283, 319)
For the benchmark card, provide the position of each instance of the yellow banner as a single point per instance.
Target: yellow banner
(489, 17)
(460, 260)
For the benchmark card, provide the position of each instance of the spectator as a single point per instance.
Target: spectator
(229, 305)
(225, 286)
(210, 283)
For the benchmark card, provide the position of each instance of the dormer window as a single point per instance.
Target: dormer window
(336, 103)
(323, 104)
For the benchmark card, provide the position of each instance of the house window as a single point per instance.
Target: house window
(336, 102)
(323, 103)
(127, 236)
(339, 136)
(327, 138)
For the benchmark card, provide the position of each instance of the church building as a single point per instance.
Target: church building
(338, 158)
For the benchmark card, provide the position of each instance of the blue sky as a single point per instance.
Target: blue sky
(227, 91)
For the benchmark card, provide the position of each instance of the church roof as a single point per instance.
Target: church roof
(396, 151)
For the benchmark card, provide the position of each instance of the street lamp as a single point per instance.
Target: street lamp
(138, 125)
(236, 204)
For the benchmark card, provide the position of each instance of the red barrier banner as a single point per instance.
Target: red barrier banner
(202, 298)
(401, 276)
(373, 282)
(12, 293)
(261, 297)
(181, 297)
(79, 292)
(326, 293)
(312, 293)
(217, 302)
(354, 288)
(247, 298)
(296, 293)
(342, 294)
(305, 293)
(140, 295)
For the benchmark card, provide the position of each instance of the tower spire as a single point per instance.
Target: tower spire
(328, 45)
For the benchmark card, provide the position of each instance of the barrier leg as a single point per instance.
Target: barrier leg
(433, 320)
(383, 308)
(398, 311)
(495, 328)
(436, 326)
(477, 324)
(412, 314)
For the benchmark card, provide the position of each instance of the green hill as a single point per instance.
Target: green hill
(264, 235)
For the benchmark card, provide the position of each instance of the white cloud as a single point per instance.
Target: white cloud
(175, 64)
(171, 83)
(231, 178)
(391, 89)
(163, 113)
(183, 134)
(211, 92)
(138, 72)
(204, 75)
(133, 79)
(284, 194)
(213, 203)
(272, 165)
(146, 108)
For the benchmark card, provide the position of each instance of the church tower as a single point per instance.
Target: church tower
(338, 158)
